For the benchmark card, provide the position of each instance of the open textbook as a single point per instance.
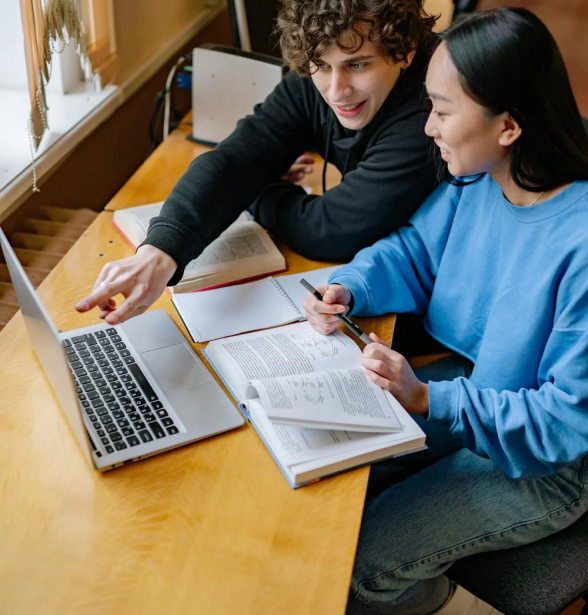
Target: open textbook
(247, 307)
(243, 251)
(309, 399)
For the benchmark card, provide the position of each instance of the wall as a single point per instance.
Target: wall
(144, 27)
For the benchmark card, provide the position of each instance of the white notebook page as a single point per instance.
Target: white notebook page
(221, 312)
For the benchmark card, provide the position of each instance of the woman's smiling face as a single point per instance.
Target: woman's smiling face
(467, 134)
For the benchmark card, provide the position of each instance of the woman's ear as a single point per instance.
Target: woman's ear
(510, 131)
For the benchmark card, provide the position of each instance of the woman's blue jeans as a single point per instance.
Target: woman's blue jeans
(428, 509)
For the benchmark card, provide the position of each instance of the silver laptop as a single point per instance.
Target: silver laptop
(129, 391)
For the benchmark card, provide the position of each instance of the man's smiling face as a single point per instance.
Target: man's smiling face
(355, 85)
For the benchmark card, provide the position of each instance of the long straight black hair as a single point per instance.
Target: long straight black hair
(507, 60)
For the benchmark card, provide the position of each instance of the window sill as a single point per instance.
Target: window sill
(72, 117)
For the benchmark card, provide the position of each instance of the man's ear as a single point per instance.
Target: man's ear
(409, 58)
(510, 130)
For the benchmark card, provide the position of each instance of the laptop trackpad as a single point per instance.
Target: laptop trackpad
(176, 368)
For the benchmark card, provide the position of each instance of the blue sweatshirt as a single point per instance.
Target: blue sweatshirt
(506, 287)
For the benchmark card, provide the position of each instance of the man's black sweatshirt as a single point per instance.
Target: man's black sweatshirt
(386, 167)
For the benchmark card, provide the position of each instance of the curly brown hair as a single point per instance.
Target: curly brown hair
(307, 28)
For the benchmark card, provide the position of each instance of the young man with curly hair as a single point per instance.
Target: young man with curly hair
(355, 94)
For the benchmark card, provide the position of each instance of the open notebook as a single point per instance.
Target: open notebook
(221, 312)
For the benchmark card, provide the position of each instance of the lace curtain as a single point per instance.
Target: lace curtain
(48, 26)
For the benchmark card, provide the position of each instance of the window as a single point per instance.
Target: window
(27, 59)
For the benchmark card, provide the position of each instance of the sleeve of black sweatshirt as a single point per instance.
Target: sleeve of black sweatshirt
(222, 183)
(390, 183)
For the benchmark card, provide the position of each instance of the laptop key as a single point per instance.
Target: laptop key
(129, 360)
(167, 422)
(134, 416)
(127, 431)
(80, 372)
(100, 334)
(161, 413)
(145, 436)
(110, 428)
(172, 430)
(157, 429)
(85, 380)
(123, 422)
(139, 425)
(93, 418)
(111, 331)
(92, 368)
(67, 343)
(118, 414)
(77, 338)
(107, 420)
(76, 365)
(121, 371)
(105, 441)
(116, 338)
(85, 403)
(109, 449)
(90, 339)
(149, 417)
(102, 411)
(115, 436)
(120, 446)
(133, 440)
(113, 406)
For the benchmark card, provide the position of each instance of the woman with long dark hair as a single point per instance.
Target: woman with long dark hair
(497, 259)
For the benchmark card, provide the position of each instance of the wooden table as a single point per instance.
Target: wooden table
(209, 528)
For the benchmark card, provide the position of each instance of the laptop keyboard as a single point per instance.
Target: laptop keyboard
(121, 404)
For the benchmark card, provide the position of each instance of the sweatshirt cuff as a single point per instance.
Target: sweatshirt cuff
(443, 402)
(358, 291)
(171, 241)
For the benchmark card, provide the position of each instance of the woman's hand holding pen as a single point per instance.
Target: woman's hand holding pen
(391, 372)
(140, 278)
(385, 367)
(321, 314)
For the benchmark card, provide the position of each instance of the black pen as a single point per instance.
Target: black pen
(364, 337)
